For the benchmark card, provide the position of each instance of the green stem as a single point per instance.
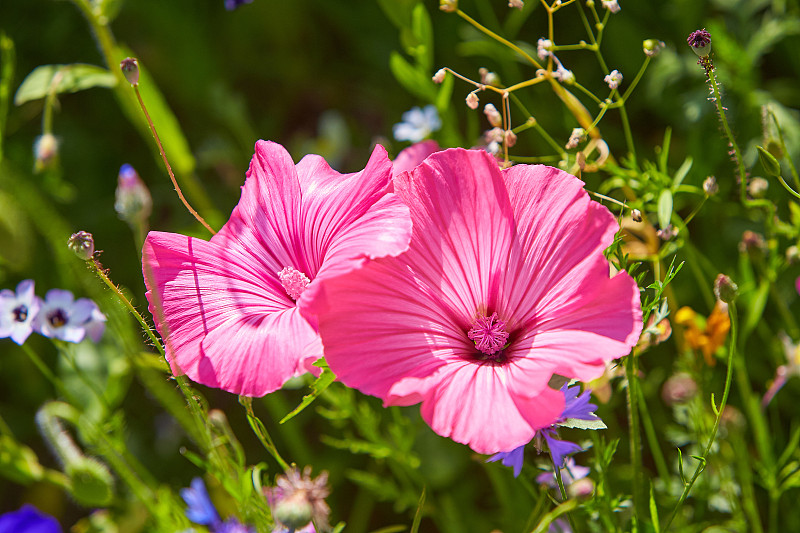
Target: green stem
(728, 133)
(652, 440)
(261, 431)
(499, 39)
(631, 373)
(728, 378)
(48, 374)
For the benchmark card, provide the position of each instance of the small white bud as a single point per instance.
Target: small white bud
(472, 101)
(493, 115)
(439, 76)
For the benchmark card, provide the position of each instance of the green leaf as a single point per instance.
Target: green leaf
(681, 173)
(320, 384)
(62, 79)
(412, 79)
(654, 512)
(578, 423)
(664, 208)
(422, 30)
(549, 518)
(418, 514)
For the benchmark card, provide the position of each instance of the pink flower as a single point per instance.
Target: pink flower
(409, 158)
(504, 284)
(233, 311)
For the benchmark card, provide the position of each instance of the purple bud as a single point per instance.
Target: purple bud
(700, 41)
(130, 68)
(133, 201)
(725, 289)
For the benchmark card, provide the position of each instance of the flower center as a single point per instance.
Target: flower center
(294, 282)
(57, 318)
(489, 334)
(20, 313)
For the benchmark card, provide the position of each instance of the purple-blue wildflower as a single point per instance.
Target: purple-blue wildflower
(17, 311)
(200, 510)
(28, 519)
(233, 4)
(576, 406)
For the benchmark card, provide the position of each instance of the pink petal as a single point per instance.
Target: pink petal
(374, 336)
(409, 158)
(463, 227)
(265, 220)
(557, 276)
(226, 323)
(472, 404)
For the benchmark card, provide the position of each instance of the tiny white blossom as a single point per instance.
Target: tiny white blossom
(565, 75)
(439, 76)
(17, 311)
(494, 135)
(575, 138)
(493, 115)
(543, 47)
(511, 138)
(472, 101)
(417, 124)
(519, 4)
(611, 5)
(613, 79)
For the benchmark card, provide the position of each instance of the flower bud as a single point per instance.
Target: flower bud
(472, 101)
(133, 202)
(652, 47)
(82, 243)
(511, 138)
(678, 389)
(725, 289)
(92, 483)
(581, 489)
(793, 255)
(700, 41)
(758, 187)
(45, 150)
(769, 162)
(130, 68)
(493, 115)
(613, 79)
(752, 243)
(666, 234)
(439, 76)
(488, 77)
(293, 512)
(611, 5)
(636, 215)
(519, 4)
(710, 186)
(575, 138)
(18, 462)
(448, 6)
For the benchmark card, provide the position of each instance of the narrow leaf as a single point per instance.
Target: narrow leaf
(664, 208)
(418, 514)
(681, 173)
(320, 384)
(654, 512)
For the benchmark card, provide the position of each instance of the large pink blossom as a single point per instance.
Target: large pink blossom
(233, 311)
(504, 284)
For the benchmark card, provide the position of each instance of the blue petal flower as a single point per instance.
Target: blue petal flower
(513, 458)
(233, 4)
(199, 508)
(559, 449)
(28, 519)
(417, 124)
(576, 406)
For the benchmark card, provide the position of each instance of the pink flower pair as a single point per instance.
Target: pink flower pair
(500, 284)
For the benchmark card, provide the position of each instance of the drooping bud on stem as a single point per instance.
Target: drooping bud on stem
(130, 68)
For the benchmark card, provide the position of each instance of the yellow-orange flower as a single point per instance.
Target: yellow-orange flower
(712, 336)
